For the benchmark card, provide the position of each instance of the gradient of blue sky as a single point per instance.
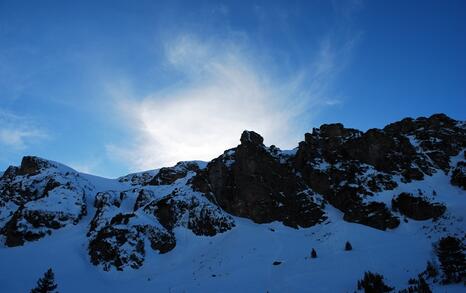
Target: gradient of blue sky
(111, 87)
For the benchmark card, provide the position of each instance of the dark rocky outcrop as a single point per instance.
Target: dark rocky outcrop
(334, 165)
(32, 165)
(346, 165)
(106, 248)
(118, 230)
(201, 218)
(37, 198)
(458, 175)
(30, 225)
(373, 214)
(250, 181)
(10, 173)
(117, 238)
(438, 137)
(417, 208)
(168, 175)
(141, 178)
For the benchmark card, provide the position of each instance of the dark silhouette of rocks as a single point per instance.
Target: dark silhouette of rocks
(168, 175)
(458, 175)
(38, 180)
(346, 165)
(117, 239)
(251, 181)
(334, 165)
(417, 208)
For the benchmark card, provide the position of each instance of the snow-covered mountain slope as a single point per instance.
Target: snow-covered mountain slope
(248, 220)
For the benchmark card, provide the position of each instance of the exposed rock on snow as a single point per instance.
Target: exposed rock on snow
(346, 165)
(417, 208)
(140, 178)
(168, 175)
(125, 220)
(38, 197)
(358, 173)
(251, 182)
(458, 175)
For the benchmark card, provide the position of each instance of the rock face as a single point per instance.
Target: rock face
(255, 182)
(125, 220)
(458, 175)
(39, 197)
(417, 208)
(168, 175)
(141, 178)
(32, 165)
(342, 167)
(117, 235)
(347, 165)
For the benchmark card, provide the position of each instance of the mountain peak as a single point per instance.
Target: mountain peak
(251, 137)
(31, 165)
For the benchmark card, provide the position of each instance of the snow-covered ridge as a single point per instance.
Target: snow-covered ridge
(185, 228)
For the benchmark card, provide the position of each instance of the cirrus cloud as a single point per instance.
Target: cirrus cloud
(224, 91)
(17, 132)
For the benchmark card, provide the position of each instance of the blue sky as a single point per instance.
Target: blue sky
(111, 87)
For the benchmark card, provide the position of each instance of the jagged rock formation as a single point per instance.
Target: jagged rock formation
(168, 175)
(117, 235)
(125, 220)
(252, 181)
(347, 165)
(38, 197)
(141, 178)
(337, 166)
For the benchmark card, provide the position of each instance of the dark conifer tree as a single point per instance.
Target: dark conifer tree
(313, 253)
(373, 283)
(348, 246)
(46, 284)
(422, 286)
(431, 270)
(452, 259)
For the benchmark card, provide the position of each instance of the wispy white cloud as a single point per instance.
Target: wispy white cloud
(18, 132)
(224, 91)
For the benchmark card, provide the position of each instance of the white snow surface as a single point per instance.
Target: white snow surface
(240, 260)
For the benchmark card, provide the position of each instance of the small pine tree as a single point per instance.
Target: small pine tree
(422, 286)
(373, 283)
(348, 246)
(313, 253)
(452, 259)
(431, 270)
(419, 285)
(46, 284)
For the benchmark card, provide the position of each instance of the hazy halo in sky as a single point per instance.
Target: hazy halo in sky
(224, 92)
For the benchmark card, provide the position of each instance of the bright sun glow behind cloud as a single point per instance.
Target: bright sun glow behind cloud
(224, 94)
